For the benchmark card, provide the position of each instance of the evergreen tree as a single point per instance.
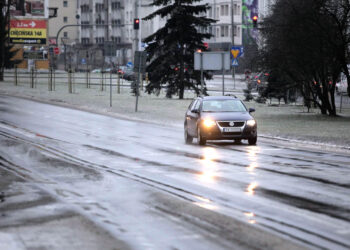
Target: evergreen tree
(171, 49)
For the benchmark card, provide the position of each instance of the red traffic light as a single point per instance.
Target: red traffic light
(56, 50)
(136, 23)
(255, 21)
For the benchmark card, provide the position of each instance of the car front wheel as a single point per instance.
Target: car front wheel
(201, 140)
(252, 141)
(188, 138)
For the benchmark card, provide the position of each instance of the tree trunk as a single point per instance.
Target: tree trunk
(2, 41)
(347, 74)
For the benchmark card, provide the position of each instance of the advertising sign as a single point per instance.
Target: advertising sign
(28, 31)
(27, 8)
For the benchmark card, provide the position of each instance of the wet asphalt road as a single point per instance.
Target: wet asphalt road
(146, 187)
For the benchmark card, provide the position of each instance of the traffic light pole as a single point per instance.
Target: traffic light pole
(233, 44)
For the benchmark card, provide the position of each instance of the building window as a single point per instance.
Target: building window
(85, 40)
(84, 8)
(236, 9)
(100, 40)
(210, 12)
(65, 3)
(99, 7)
(224, 10)
(65, 19)
(224, 31)
(116, 5)
(99, 21)
(116, 22)
(65, 34)
(116, 39)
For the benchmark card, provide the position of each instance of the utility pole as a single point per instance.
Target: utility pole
(107, 8)
(233, 43)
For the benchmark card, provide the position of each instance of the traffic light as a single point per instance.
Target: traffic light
(136, 23)
(255, 21)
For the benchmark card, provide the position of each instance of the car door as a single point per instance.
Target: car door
(192, 118)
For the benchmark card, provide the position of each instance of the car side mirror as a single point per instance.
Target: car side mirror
(196, 111)
(251, 110)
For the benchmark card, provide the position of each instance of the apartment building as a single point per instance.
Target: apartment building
(67, 11)
(103, 33)
(223, 34)
(107, 25)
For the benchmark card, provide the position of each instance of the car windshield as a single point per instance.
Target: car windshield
(223, 106)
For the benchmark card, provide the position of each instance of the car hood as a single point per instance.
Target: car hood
(227, 116)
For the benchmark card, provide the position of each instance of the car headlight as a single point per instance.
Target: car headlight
(251, 123)
(209, 123)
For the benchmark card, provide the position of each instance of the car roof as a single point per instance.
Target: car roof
(219, 98)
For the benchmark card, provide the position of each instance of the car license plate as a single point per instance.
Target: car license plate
(232, 129)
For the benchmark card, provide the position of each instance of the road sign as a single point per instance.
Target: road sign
(56, 50)
(211, 60)
(236, 52)
(129, 65)
(140, 61)
(234, 62)
(83, 61)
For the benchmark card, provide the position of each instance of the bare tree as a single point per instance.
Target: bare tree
(304, 46)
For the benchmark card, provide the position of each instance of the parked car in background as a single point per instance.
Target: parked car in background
(96, 71)
(219, 118)
(259, 81)
(129, 74)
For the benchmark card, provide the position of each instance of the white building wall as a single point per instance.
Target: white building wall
(220, 10)
(66, 14)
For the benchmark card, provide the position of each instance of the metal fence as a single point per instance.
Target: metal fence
(70, 79)
(101, 81)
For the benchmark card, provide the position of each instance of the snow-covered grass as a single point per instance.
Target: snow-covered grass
(294, 122)
(288, 121)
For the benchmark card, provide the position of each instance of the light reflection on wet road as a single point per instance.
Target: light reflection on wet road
(303, 195)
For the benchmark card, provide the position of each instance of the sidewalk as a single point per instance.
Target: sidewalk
(284, 122)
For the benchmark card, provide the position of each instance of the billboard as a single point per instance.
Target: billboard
(27, 8)
(28, 31)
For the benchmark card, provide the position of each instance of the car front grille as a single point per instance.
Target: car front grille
(227, 124)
